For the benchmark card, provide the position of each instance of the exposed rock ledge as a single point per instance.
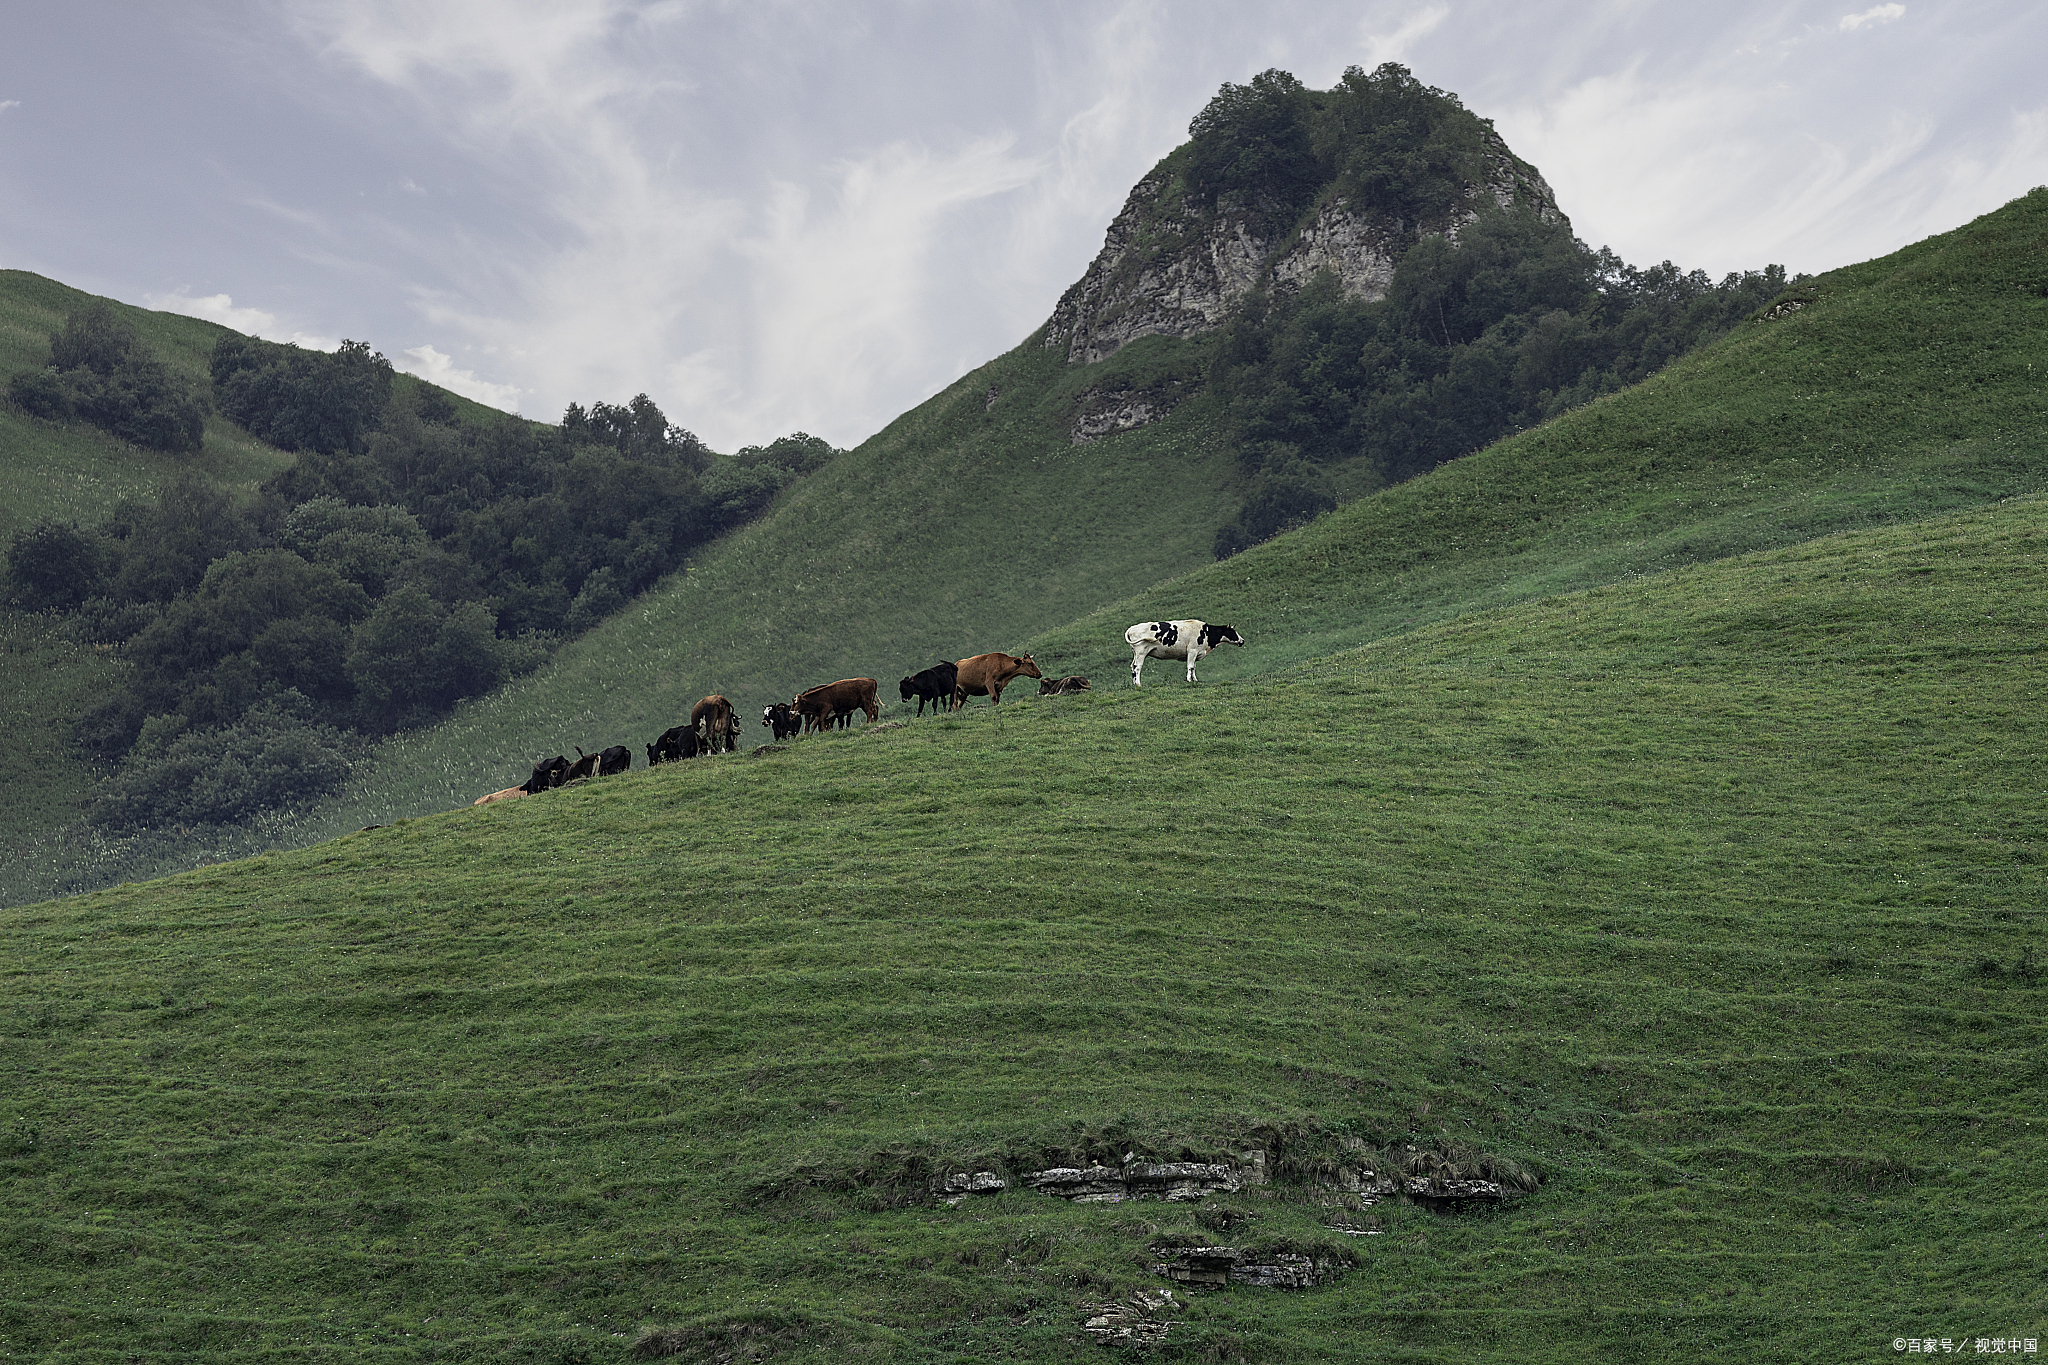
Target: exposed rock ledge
(1216, 1267)
(1167, 269)
(1171, 1180)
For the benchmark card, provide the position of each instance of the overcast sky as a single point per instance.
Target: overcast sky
(780, 216)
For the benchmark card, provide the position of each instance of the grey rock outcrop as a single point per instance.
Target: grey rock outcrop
(1168, 268)
(1131, 1322)
(1215, 1267)
(1178, 1181)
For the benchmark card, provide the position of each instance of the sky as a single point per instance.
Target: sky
(775, 216)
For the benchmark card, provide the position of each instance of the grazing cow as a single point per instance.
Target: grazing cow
(675, 744)
(509, 794)
(783, 720)
(584, 766)
(824, 704)
(1060, 687)
(1190, 640)
(617, 759)
(545, 775)
(931, 685)
(986, 675)
(718, 729)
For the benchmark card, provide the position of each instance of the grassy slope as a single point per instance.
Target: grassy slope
(1913, 386)
(1710, 894)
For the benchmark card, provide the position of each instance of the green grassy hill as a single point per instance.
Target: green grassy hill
(1712, 896)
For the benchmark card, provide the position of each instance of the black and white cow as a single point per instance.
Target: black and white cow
(1190, 640)
(783, 720)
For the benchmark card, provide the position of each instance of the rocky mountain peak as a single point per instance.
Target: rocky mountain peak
(1280, 184)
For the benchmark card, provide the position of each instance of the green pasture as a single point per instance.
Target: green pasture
(1713, 896)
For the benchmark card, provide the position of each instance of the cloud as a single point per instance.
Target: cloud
(1396, 46)
(436, 368)
(1876, 14)
(9, 104)
(753, 283)
(221, 308)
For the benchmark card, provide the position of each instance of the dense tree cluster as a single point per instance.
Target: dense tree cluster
(1382, 141)
(1508, 323)
(101, 373)
(405, 561)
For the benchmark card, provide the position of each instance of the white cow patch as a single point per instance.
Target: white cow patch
(1190, 640)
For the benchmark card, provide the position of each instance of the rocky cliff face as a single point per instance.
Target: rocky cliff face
(1170, 268)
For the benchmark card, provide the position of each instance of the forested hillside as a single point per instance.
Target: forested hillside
(206, 653)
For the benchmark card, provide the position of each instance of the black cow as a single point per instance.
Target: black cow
(783, 720)
(546, 775)
(584, 766)
(931, 685)
(676, 744)
(617, 759)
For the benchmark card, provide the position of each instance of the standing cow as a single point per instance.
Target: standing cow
(676, 743)
(1190, 640)
(831, 701)
(986, 675)
(718, 729)
(783, 720)
(930, 685)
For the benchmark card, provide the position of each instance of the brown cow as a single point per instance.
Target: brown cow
(1056, 687)
(821, 705)
(718, 729)
(986, 675)
(584, 766)
(509, 794)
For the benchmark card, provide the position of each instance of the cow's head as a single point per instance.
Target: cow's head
(1028, 668)
(909, 692)
(1213, 636)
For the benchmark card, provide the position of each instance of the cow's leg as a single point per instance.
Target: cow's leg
(1138, 666)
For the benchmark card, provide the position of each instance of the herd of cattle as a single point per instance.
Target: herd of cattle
(714, 725)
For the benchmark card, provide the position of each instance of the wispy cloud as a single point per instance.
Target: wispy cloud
(437, 368)
(811, 290)
(9, 104)
(221, 308)
(1876, 14)
(1398, 44)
